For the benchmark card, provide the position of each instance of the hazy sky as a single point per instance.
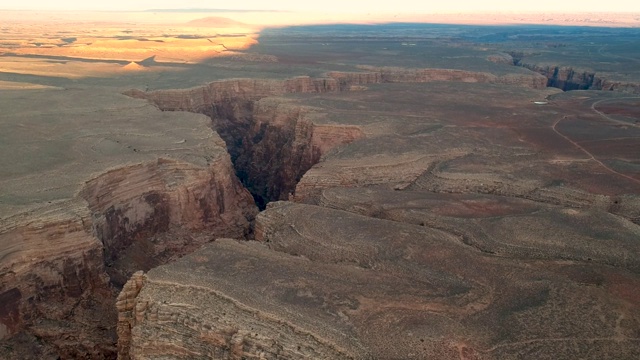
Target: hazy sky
(363, 6)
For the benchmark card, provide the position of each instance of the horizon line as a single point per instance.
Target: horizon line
(232, 10)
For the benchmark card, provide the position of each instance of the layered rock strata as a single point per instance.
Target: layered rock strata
(147, 214)
(569, 78)
(202, 98)
(482, 229)
(329, 284)
(53, 282)
(273, 145)
(133, 188)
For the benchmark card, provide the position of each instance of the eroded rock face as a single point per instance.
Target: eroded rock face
(54, 283)
(150, 213)
(273, 144)
(127, 196)
(332, 284)
(565, 78)
(127, 312)
(277, 143)
(202, 98)
(399, 75)
(475, 230)
(569, 78)
(220, 331)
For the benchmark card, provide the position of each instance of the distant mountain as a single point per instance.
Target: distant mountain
(215, 21)
(210, 10)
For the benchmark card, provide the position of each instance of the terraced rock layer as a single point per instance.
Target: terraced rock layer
(456, 228)
(329, 284)
(273, 145)
(125, 195)
(567, 78)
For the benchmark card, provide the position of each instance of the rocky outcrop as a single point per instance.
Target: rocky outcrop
(502, 58)
(569, 78)
(127, 312)
(134, 218)
(565, 77)
(201, 98)
(400, 75)
(228, 326)
(127, 194)
(400, 171)
(273, 144)
(235, 91)
(60, 264)
(53, 281)
(601, 83)
(328, 284)
(280, 144)
(148, 214)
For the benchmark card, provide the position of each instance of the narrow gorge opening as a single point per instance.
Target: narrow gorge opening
(270, 141)
(564, 78)
(269, 157)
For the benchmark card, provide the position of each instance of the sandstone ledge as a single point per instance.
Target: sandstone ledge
(368, 288)
(470, 230)
(97, 189)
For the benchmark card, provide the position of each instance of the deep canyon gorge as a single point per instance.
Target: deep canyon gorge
(479, 213)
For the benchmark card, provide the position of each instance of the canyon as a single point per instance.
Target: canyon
(69, 243)
(416, 235)
(272, 143)
(359, 199)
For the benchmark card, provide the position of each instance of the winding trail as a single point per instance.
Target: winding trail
(591, 156)
(593, 107)
(610, 55)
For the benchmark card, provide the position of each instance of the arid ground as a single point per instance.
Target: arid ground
(218, 185)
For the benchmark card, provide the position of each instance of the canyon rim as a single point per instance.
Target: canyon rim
(194, 185)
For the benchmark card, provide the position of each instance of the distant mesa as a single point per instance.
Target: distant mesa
(215, 21)
(69, 40)
(196, 10)
(150, 61)
(133, 66)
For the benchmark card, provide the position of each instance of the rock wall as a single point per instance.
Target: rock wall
(202, 98)
(147, 214)
(272, 144)
(330, 284)
(53, 282)
(399, 75)
(61, 264)
(569, 78)
(226, 329)
(127, 314)
(566, 78)
(203, 321)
